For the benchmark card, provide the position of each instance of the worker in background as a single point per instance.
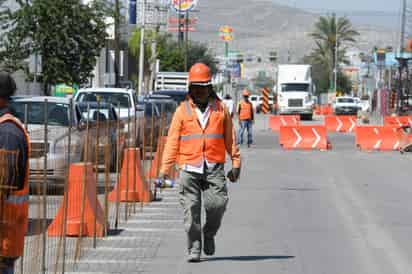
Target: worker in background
(200, 134)
(246, 118)
(229, 104)
(14, 187)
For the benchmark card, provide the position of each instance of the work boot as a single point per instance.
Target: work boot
(193, 257)
(209, 246)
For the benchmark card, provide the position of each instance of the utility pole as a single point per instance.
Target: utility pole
(187, 41)
(180, 35)
(335, 70)
(117, 43)
(403, 26)
(141, 55)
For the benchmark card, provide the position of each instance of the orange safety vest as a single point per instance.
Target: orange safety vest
(246, 110)
(197, 144)
(15, 209)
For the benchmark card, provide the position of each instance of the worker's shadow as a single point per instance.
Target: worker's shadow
(248, 258)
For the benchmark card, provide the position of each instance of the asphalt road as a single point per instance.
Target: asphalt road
(335, 212)
(293, 212)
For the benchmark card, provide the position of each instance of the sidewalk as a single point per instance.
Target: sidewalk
(138, 246)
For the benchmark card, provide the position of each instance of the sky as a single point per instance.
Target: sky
(369, 5)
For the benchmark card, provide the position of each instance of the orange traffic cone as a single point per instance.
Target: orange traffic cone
(157, 160)
(80, 175)
(132, 187)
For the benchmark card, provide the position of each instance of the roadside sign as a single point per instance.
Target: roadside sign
(226, 33)
(175, 21)
(183, 6)
(63, 90)
(265, 101)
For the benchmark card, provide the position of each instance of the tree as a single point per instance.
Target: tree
(320, 75)
(68, 35)
(330, 32)
(171, 56)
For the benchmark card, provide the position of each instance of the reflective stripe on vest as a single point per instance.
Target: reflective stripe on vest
(201, 136)
(17, 199)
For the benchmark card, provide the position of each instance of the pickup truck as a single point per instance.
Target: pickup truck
(345, 106)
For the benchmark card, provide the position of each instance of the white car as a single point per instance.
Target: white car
(58, 123)
(58, 113)
(346, 105)
(364, 105)
(255, 100)
(123, 99)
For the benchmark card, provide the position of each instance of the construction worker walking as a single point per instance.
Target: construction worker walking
(200, 135)
(14, 184)
(246, 118)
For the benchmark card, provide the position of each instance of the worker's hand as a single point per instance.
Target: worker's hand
(163, 176)
(233, 175)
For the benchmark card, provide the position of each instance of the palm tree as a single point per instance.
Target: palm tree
(331, 32)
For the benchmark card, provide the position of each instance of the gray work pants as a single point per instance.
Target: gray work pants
(213, 186)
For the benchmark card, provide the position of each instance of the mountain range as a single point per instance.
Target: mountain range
(261, 26)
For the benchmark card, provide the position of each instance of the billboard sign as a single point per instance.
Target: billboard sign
(183, 6)
(226, 33)
(132, 12)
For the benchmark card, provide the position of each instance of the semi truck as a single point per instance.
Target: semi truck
(294, 88)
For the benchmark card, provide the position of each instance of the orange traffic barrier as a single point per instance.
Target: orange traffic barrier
(340, 123)
(132, 187)
(382, 138)
(153, 173)
(317, 110)
(276, 121)
(326, 110)
(78, 203)
(303, 137)
(398, 121)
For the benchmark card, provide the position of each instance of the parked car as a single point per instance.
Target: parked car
(345, 105)
(176, 95)
(254, 99)
(58, 114)
(125, 99)
(110, 131)
(152, 116)
(165, 104)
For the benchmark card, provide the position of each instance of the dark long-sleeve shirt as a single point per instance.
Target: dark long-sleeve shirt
(12, 138)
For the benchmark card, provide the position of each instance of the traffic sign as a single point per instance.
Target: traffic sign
(226, 33)
(183, 6)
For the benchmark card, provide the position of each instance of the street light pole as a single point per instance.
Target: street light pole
(141, 55)
(117, 43)
(335, 75)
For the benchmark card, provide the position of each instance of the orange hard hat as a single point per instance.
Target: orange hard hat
(246, 93)
(200, 74)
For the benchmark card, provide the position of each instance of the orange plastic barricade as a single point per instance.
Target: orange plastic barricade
(303, 137)
(131, 190)
(382, 138)
(326, 110)
(398, 121)
(76, 203)
(340, 123)
(276, 121)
